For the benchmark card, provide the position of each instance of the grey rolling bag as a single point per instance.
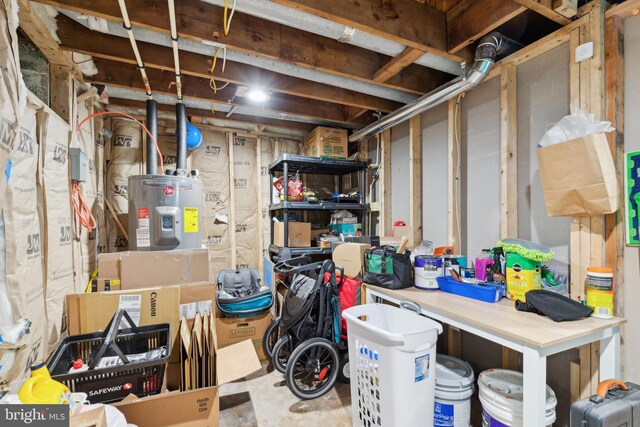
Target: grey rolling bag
(617, 404)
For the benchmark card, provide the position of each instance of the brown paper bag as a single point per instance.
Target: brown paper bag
(578, 177)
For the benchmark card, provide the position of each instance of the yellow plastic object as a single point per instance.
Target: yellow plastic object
(40, 389)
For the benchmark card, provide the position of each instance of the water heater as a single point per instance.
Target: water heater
(165, 211)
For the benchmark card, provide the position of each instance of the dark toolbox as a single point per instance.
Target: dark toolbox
(616, 404)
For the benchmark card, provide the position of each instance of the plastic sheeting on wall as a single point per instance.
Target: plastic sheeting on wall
(57, 220)
(24, 242)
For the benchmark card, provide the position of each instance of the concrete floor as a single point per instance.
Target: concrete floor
(263, 400)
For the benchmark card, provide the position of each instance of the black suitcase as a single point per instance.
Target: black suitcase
(617, 404)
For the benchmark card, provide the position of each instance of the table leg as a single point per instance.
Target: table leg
(535, 387)
(610, 357)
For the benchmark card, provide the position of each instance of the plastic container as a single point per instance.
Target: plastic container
(599, 284)
(487, 292)
(78, 366)
(392, 365)
(454, 387)
(480, 266)
(40, 389)
(427, 269)
(523, 275)
(500, 392)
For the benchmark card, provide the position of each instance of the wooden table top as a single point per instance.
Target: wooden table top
(502, 318)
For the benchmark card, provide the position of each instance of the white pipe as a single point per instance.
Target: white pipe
(266, 9)
(134, 46)
(174, 45)
(143, 35)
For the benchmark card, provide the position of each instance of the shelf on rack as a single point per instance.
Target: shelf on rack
(323, 206)
(315, 165)
(301, 251)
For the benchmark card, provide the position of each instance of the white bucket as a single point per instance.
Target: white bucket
(500, 392)
(391, 360)
(454, 387)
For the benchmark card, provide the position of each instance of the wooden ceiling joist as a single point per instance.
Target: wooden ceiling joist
(199, 21)
(403, 21)
(471, 19)
(544, 8)
(191, 112)
(127, 76)
(78, 38)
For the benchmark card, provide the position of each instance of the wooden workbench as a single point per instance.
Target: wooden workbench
(536, 337)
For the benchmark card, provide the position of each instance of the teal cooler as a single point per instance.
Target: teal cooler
(347, 230)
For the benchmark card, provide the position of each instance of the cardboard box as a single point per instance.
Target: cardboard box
(95, 417)
(346, 229)
(145, 269)
(195, 408)
(326, 142)
(317, 232)
(350, 256)
(233, 330)
(299, 234)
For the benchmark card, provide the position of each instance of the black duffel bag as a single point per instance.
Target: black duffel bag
(388, 269)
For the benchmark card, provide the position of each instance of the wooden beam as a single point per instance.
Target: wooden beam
(471, 19)
(385, 183)
(127, 76)
(415, 177)
(624, 10)
(403, 21)
(509, 151)
(544, 10)
(62, 91)
(78, 38)
(232, 204)
(614, 112)
(303, 127)
(453, 176)
(397, 64)
(198, 20)
(42, 38)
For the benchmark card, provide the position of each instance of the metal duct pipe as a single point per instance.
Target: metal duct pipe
(489, 47)
(152, 125)
(181, 136)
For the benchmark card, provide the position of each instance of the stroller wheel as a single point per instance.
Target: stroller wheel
(281, 354)
(271, 337)
(344, 375)
(312, 368)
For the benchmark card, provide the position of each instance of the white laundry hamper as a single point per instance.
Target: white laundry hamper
(392, 358)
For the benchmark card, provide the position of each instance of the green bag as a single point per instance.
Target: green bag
(388, 269)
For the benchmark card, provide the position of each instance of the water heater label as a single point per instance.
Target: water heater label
(190, 220)
(143, 234)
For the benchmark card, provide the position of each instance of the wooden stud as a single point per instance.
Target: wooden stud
(454, 341)
(454, 197)
(415, 177)
(510, 359)
(509, 151)
(259, 204)
(624, 10)
(232, 204)
(385, 184)
(62, 95)
(614, 112)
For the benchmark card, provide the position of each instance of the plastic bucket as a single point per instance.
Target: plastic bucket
(392, 365)
(454, 387)
(500, 392)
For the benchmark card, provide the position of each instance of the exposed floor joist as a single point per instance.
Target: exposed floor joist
(78, 38)
(127, 76)
(403, 21)
(545, 10)
(198, 20)
(471, 19)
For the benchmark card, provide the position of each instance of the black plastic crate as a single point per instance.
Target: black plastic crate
(112, 384)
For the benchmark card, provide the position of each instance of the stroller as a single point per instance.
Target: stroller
(305, 343)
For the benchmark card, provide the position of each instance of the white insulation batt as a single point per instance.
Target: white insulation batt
(245, 184)
(212, 161)
(24, 242)
(57, 218)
